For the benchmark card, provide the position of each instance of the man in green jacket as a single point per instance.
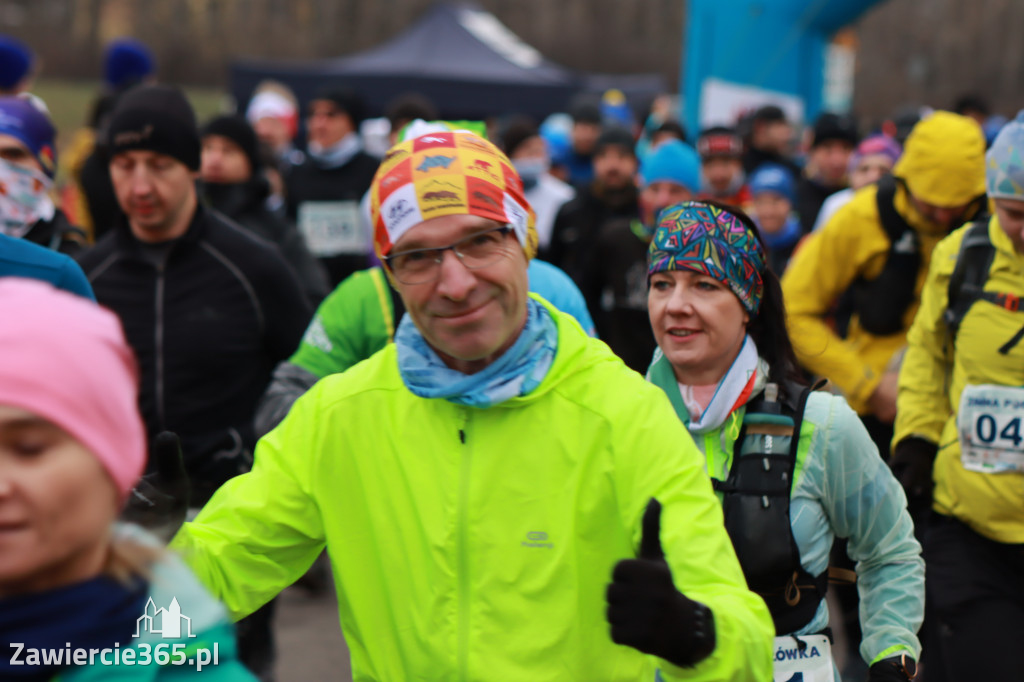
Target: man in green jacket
(494, 488)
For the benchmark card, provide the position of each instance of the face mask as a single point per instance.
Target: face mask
(530, 171)
(24, 199)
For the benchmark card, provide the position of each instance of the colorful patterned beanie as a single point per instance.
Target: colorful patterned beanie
(447, 173)
(1005, 162)
(714, 242)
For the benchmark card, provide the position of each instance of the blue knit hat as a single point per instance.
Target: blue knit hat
(126, 62)
(671, 161)
(1004, 162)
(773, 177)
(15, 62)
(21, 119)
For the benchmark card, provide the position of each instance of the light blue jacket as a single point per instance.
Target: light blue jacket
(842, 488)
(557, 288)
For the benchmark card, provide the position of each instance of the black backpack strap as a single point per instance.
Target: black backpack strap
(881, 303)
(892, 222)
(967, 283)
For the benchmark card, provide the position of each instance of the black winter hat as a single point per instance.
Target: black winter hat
(769, 113)
(615, 136)
(347, 100)
(834, 127)
(516, 133)
(155, 118)
(238, 130)
(586, 112)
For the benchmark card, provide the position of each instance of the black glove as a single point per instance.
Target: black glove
(159, 501)
(894, 669)
(648, 613)
(911, 464)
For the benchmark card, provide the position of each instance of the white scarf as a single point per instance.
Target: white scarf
(746, 377)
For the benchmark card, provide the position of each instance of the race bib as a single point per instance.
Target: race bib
(805, 658)
(989, 427)
(332, 228)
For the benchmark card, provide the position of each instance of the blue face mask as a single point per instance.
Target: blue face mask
(530, 171)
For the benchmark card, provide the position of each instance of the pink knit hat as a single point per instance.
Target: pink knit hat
(65, 359)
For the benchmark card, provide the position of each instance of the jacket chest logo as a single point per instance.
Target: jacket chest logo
(537, 539)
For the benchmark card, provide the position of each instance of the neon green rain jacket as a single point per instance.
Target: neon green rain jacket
(477, 544)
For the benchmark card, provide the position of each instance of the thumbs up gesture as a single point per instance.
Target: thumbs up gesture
(648, 613)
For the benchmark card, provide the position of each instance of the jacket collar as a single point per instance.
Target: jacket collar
(197, 227)
(232, 199)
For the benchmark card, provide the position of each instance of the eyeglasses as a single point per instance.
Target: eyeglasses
(419, 266)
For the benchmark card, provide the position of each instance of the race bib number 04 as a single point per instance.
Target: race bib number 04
(806, 658)
(332, 228)
(990, 430)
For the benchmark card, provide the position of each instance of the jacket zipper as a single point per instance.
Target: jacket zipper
(462, 567)
(160, 402)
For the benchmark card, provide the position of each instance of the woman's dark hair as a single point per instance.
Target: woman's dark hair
(768, 327)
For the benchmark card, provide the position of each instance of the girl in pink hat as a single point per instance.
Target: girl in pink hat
(79, 594)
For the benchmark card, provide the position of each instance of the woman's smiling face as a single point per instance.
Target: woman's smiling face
(698, 322)
(57, 504)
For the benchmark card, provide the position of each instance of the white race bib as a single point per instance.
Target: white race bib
(803, 658)
(989, 426)
(332, 228)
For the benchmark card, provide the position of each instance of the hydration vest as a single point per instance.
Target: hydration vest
(756, 506)
(967, 283)
(881, 303)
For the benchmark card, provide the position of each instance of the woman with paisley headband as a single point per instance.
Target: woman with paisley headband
(793, 467)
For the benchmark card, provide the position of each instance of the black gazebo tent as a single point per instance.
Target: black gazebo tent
(459, 56)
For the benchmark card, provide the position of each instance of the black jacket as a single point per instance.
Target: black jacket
(98, 188)
(245, 204)
(57, 234)
(615, 287)
(208, 325)
(755, 157)
(578, 223)
(309, 183)
(810, 196)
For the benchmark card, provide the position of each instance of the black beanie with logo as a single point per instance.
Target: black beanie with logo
(156, 118)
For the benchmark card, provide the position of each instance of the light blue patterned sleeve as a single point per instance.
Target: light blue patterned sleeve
(864, 503)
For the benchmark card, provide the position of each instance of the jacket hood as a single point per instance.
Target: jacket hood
(943, 162)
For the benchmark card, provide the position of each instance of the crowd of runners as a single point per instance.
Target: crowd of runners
(589, 398)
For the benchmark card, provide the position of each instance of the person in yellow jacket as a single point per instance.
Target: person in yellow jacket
(501, 498)
(878, 247)
(960, 407)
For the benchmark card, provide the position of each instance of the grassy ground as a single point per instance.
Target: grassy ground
(70, 103)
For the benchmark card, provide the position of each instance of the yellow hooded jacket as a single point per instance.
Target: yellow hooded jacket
(943, 164)
(935, 373)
